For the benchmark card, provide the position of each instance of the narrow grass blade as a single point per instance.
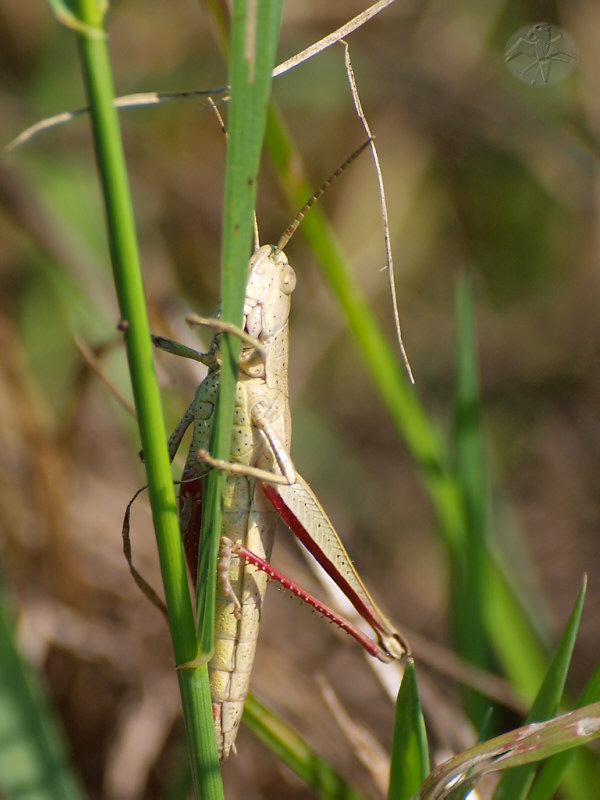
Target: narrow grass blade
(523, 746)
(293, 751)
(250, 80)
(515, 784)
(33, 756)
(410, 755)
(469, 563)
(487, 606)
(551, 773)
(516, 644)
(193, 678)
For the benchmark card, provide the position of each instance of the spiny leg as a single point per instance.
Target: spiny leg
(369, 645)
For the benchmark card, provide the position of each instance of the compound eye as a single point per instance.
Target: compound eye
(288, 280)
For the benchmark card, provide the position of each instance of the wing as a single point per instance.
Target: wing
(303, 514)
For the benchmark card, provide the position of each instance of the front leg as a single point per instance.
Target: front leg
(254, 352)
(182, 350)
(182, 426)
(221, 326)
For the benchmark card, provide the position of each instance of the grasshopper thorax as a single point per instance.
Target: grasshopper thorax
(271, 281)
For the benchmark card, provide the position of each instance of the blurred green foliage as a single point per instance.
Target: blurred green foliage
(483, 174)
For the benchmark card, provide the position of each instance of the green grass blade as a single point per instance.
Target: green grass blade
(293, 751)
(460, 791)
(33, 756)
(523, 746)
(193, 681)
(487, 609)
(516, 783)
(551, 773)
(250, 91)
(582, 776)
(515, 641)
(88, 21)
(410, 755)
(469, 565)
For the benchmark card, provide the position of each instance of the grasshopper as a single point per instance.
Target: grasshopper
(262, 484)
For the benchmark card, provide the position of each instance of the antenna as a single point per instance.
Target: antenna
(293, 226)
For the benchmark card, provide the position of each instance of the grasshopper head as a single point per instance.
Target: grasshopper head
(271, 281)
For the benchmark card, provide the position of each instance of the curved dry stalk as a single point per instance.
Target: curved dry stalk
(125, 101)
(155, 98)
(332, 38)
(383, 204)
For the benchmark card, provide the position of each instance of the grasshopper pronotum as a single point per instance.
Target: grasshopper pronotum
(262, 483)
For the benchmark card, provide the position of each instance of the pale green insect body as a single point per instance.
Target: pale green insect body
(260, 439)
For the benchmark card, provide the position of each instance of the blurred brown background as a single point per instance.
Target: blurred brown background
(483, 173)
